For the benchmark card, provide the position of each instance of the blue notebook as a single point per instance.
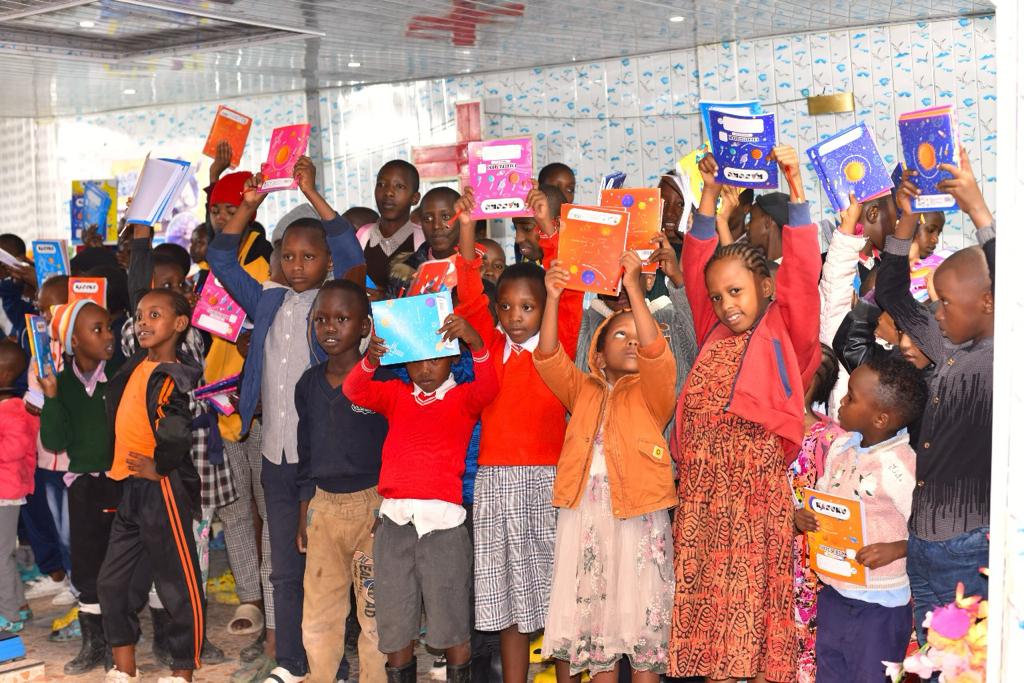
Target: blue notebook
(745, 107)
(39, 342)
(51, 258)
(929, 138)
(741, 145)
(849, 162)
(409, 327)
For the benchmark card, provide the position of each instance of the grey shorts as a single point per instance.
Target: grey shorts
(433, 574)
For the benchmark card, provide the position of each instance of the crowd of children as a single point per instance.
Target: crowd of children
(626, 475)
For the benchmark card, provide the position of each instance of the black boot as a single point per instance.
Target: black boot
(402, 674)
(211, 654)
(460, 673)
(94, 646)
(161, 625)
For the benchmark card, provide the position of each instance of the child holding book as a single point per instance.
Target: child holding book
(281, 350)
(339, 447)
(75, 405)
(739, 422)
(859, 628)
(421, 548)
(611, 591)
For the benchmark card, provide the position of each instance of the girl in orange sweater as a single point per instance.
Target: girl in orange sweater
(612, 585)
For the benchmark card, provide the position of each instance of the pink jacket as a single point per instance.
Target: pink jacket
(17, 449)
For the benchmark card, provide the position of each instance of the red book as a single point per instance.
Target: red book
(230, 126)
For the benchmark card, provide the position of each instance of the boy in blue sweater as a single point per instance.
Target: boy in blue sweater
(281, 349)
(339, 464)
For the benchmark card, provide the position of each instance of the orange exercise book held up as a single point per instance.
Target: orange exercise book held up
(229, 126)
(840, 535)
(644, 206)
(591, 241)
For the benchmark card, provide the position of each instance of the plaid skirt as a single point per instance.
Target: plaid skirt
(513, 546)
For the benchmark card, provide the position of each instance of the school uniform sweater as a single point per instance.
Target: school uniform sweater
(424, 453)
(74, 422)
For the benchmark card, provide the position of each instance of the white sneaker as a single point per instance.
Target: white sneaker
(115, 676)
(44, 586)
(65, 597)
(279, 674)
(171, 679)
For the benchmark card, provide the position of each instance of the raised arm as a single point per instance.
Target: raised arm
(473, 304)
(140, 264)
(222, 254)
(553, 364)
(964, 188)
(698, 247)
(839, 270)
(657, 366)
(360, 387)
(854, 341)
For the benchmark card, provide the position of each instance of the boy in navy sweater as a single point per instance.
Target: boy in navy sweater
(339, 446)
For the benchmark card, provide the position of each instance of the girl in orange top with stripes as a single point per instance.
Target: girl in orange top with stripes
(149, 412)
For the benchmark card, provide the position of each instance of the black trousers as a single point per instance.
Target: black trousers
(92, 503)
(153, 525)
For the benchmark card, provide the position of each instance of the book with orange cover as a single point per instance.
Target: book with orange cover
(591, 241)
(89, 288)
(433, 276)
(230, 126)
(644, 206)
(832, 548)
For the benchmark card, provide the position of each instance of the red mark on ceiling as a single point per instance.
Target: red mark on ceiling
(461, 22)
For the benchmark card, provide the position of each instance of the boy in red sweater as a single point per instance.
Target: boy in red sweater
(513, 518)
(421, 549)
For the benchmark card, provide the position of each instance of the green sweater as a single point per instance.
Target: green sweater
(77, 423)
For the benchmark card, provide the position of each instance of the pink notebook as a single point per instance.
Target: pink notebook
(500, 173)
(216, 312)
(287, 144)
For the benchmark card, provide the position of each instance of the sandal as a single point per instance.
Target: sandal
(246, 613)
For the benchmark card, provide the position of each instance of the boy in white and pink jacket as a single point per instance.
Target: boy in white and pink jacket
(860, 626)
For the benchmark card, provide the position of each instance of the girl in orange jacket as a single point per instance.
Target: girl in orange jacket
(612, 585)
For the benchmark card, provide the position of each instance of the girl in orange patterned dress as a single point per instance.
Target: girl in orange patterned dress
(739, 423)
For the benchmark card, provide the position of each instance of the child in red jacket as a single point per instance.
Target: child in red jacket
(17, 469)
(739, 421)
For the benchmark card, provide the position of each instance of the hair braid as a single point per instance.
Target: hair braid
(754, 258)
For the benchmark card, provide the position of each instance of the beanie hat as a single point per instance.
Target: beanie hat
(776, 205)
(63, 323)
(229, 188)
(300, 211)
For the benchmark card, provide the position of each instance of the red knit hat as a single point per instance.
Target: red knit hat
(229, 188)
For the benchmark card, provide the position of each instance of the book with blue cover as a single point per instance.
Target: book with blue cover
(51, 258)
(849, 162)
(94, 204)
(742, 146)
(744, 107)
(409, 327)
(39, 342)
(929, 138)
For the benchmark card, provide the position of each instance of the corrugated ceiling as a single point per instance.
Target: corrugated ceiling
(77, 56)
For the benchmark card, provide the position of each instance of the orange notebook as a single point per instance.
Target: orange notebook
(91, 288)
(644, 207)
(590, 243)
(228, 125)
(433, 276)
(833, 547)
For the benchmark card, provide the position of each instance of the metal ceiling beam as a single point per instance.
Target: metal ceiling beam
(191, 11)
(42, 8)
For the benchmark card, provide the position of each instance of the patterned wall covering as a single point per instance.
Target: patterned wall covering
(634, 114)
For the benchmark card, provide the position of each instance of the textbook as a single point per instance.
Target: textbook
(849, 162)
(231, 127)
(742, 146)
(287, 144)
(94, 203)
(929, 138)
(39, 343)
(433, 276)
(742, 107)
(591, 241)
(500, 173)
(218, 394)
(89, 288)
(644, 206)
(216, 312)
(10, 261)
(920, 270)
(612, 181)
(51, 258)
(157, 189)
(409, 327)
(840, 535)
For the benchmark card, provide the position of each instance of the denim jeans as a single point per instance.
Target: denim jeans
(46, 524)
(935, 567)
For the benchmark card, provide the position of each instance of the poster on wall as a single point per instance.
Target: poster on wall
(94, 204)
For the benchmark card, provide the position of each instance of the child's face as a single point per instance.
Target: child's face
(911, 353)
(198, 244)
(929, 230)
(339, 321)
(761, 228)
(673, 211)
(493, 262)
(879, 220)
(394, 195)
(220, 214)
(738, 296)
(619, 355)
(50, 295)
(304, 259)
(566, 182)
(167, 276)
(156, 323)
(93, 339)
(528, 238)
(429, 374)
(435, 213)
(858, 410)
(738, 220)
(520, 307)
(965, 306)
